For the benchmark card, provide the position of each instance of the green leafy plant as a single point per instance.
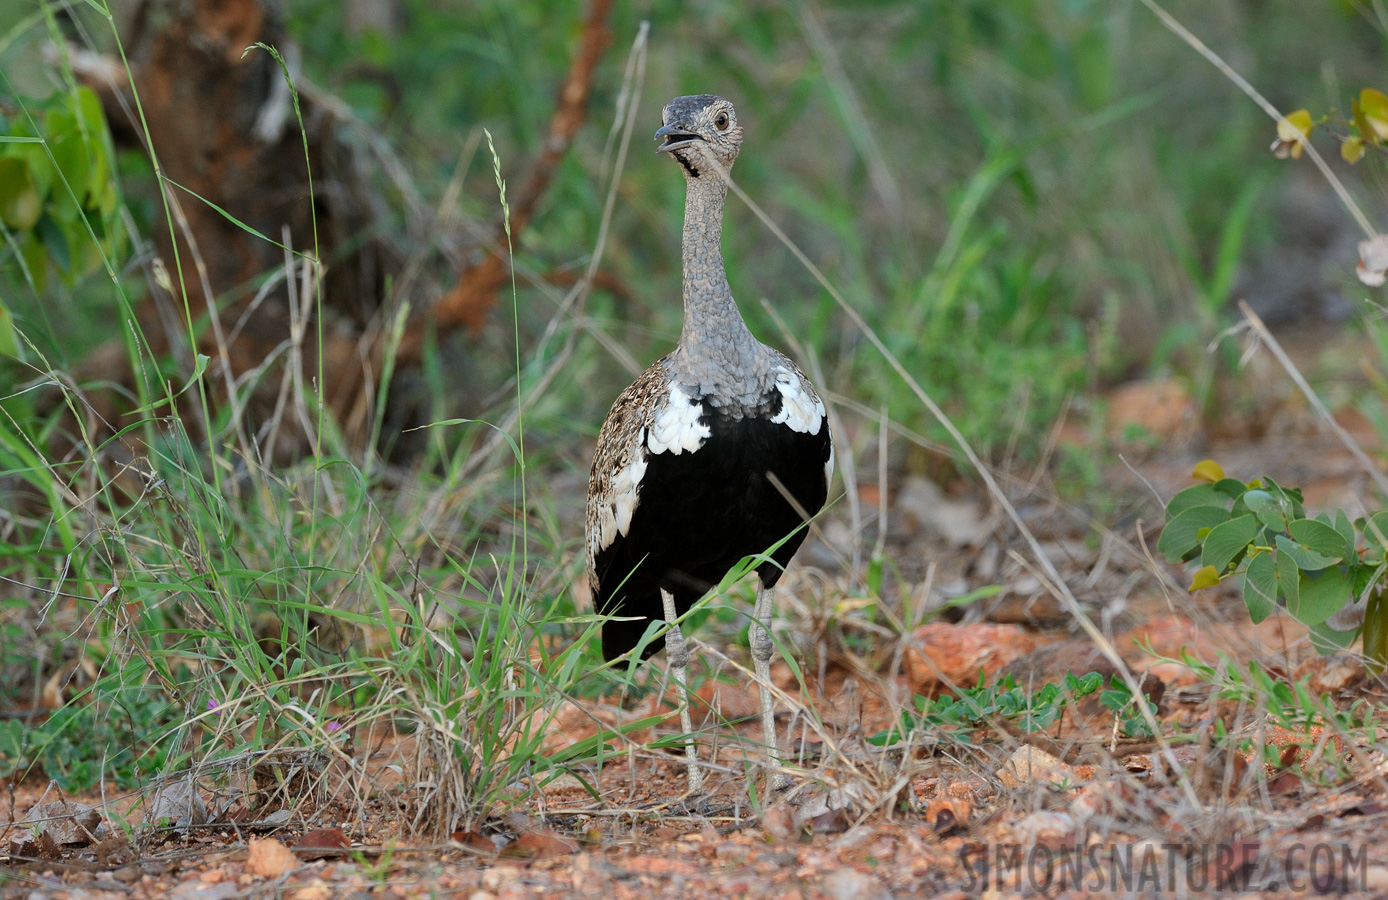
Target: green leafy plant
(58, 189)
(1259, 531)
(979, 706)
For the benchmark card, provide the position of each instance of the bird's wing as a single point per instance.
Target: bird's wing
(801, 408)
(619, 462)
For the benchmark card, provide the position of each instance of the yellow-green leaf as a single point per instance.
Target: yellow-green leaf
(1296, 125)
(1361, 123)
(1208, 470)
(1374, 105)
(1292, 131)
(1205, 576)
(1352, 150)
(20, 201)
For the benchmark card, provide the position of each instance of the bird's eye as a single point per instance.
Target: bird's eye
(721, 121)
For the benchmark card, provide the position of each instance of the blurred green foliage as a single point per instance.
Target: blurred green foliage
(1025, 198)
(59, 199)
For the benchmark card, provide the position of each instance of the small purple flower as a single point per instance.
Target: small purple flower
(212, 703)
(333, 726)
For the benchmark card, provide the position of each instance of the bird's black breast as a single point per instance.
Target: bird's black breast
(701, 512)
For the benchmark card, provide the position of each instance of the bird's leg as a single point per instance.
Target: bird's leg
(761, 661)
(677, 654)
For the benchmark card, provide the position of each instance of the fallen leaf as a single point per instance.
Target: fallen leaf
(1286, 783)
(177, 803)
(38, 845)
(831, 822)
(539, 845)
(475, 841)
(65, 822)
(268, 858)
(320, 839)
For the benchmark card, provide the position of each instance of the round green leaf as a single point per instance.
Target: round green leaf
(1260, 587)
(1288, 580)
(1199, 495)
(1321, 595)
(1306, 559)
(1226, 541)
(1182, 533)
(1267, 508)
(1320, 537)
(1327, 640)
(1346, 530)
(1231, 487)
(1375, 528)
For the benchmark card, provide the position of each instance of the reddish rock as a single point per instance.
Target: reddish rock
(1331, 673)
(941, 654)
(1162, 408)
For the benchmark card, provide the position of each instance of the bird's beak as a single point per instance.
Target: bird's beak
(676, 136)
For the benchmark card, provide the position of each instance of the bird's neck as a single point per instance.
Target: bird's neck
(713, 326)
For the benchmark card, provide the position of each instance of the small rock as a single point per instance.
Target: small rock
(853, 838)
(126, 874)
(1331, 673)
(961, 523)
(779, 822)
(1046, 827)
(1160, 407)
(318, 890)
(1029, 765)
(269, 858)
(850, 884)
(728, 852)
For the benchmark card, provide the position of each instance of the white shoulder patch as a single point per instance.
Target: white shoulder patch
(677, 428)
(800, 410)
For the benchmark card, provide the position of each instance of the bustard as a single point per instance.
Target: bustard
(695, 460)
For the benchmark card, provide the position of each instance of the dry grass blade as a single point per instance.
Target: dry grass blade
(1064, 595)
(1265, 336)
(1266, 106)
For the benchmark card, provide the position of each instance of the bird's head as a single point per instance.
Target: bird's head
(699, 125)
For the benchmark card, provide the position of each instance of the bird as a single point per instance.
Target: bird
(720, 451)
